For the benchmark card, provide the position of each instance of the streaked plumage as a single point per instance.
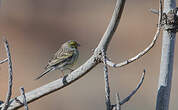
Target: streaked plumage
(64, 58)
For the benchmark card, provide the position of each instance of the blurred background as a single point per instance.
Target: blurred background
(35, 30)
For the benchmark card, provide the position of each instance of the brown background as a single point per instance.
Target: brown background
(35, 29)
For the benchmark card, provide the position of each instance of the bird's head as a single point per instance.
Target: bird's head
(72, 44)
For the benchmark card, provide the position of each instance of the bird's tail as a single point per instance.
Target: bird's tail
(45, 72)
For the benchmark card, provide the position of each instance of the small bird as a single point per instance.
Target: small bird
(64, 58)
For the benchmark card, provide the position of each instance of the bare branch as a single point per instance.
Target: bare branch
(24, 98)
(118, 106)
(54, 85)
(18, 101)
(167, 57)
(79, 72)
(154, 11)
(6, 104)
(133, 92)
(106, 79)
(3, 61)
(139, 55)
(104, 42)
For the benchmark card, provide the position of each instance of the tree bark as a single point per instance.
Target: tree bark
(166, 66)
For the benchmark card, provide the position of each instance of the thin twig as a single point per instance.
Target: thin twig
(106, 79)
(6, 105)
(133, 92)
(18, 101)
(24, 98)
(154, 11)
(118, 106)
(139, 55)
(3, 61)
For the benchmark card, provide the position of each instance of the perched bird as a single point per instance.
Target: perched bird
(64, 58)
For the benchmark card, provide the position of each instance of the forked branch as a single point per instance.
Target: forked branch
(79, 72)
(22, 91)
(95, 59)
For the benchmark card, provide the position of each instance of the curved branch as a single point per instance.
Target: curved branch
(79, 72)
(9, 92)
(104, 42)
(133, 92)
(139, 55)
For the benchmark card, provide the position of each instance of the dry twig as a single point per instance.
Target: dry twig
(3, 61)
(106, 79)
(133, 92)
(6, 104)
(154, 11)
(118, 106)
(24, 98)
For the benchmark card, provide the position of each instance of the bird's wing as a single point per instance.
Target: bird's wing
(60, 57)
